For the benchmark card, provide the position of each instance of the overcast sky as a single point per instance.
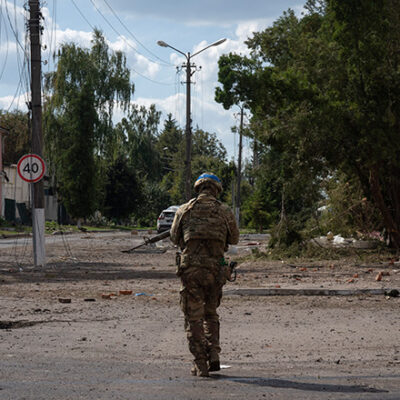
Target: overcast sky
(135, 26)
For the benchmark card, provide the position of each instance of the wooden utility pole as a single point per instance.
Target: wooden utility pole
(239, 174)
(188, 130)
(38, 216)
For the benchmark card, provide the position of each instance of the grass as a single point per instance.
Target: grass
(308, 252)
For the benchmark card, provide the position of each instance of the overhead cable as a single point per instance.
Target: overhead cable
(118, 33)
(6, 32)
(93, 28)
(133, 36)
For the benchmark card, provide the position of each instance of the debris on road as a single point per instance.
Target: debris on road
(393, 293)
(125, 292)
(144, 294)
(108, 296)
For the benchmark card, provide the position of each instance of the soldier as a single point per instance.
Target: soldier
(203, 228)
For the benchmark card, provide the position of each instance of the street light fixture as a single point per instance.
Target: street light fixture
(188, 130)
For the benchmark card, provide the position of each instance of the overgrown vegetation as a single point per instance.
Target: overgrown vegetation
(323, 92)
(301, 252)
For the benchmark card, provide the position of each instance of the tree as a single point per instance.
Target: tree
(368, 35)
(264, 83)
(124, 190)
(140, 130)
(325, 91)
(156, 200)
(236, 76)
(168, 143)
(18, 141)
(76, 172)
(80, 98)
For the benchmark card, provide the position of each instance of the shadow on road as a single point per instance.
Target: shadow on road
(306, 386)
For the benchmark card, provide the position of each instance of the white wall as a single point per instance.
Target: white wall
(20, 191)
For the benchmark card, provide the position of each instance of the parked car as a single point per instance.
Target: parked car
(164, 221)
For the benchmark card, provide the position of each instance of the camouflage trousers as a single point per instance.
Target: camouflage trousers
(200, 297)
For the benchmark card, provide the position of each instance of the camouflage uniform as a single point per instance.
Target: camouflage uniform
(203, 228)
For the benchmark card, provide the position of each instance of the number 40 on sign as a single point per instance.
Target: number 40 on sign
(31, 168)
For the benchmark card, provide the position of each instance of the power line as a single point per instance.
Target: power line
(93, 28)
(24, 67)
(16, 93)
(51, 34)
(12, 27)
(118, 33)
(134, 37)
(83, 15)
(6, 32)
(21, 65)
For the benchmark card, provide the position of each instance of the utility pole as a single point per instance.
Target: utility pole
(38, 216)
(239, 174)
(2, 131)
(188, 130)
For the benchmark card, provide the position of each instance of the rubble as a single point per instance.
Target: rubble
(331, 240)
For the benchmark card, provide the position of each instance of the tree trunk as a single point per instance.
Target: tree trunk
(389, 209)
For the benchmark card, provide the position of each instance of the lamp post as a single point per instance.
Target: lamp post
(188, 129)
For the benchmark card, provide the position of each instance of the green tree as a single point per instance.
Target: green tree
(168, 143)
(124, 191)
(264, 84)
(236, 76)
(156, 200)
(79, 135)
(208, 154)
(18, 140)
(368, 37)
(76, 172)
(140, 129)
(324, 91)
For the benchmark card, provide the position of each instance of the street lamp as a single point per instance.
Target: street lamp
(188, 130)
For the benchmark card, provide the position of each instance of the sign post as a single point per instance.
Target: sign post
(31, 168)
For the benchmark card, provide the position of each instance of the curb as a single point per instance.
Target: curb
(16, 236)
(305, 292)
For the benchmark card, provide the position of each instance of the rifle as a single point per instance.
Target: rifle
(229, 267)
(147, 241)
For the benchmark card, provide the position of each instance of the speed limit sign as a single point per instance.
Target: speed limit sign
(31, 168)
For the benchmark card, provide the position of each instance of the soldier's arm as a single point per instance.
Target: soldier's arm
(175, 228)
(233, 230)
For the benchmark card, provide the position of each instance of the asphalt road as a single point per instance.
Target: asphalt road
(65, 360)
(134, 347)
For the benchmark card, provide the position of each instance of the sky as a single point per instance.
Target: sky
(134, 27)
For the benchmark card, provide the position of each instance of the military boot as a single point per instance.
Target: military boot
(213, 361)
(199, 368)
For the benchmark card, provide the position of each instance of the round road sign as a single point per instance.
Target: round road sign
(31, 168)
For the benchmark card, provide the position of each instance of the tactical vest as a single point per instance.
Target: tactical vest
(206, 222)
